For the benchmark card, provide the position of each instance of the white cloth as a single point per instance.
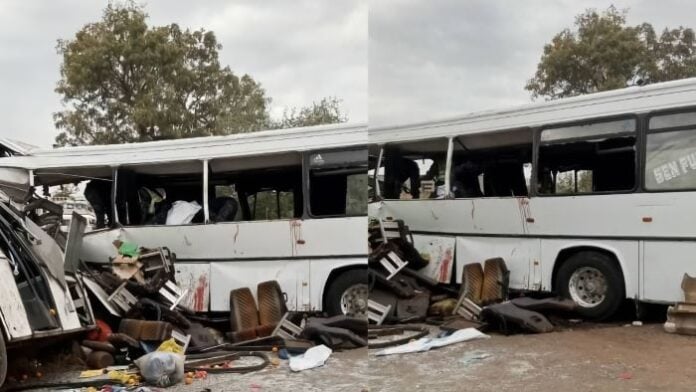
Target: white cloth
(314, 357)
(182, 212)
(425, 344)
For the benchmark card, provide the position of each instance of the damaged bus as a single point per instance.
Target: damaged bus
(285, 205)
(589, 197)
(42, 300)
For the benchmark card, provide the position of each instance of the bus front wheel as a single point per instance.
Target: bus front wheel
(594, 282)
(347, 294)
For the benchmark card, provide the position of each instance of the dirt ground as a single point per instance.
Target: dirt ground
(586, 358)
(344, 371)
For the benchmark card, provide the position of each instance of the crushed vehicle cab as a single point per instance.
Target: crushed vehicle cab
(42, 298)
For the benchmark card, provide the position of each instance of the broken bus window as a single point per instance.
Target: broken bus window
(598, 157)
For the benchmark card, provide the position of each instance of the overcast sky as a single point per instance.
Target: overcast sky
(442, 58)
(299, 50)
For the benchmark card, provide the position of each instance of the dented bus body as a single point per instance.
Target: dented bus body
(292, 198)
(591, 197)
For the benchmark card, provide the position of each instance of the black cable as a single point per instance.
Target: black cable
(237, 369)
(420, 332)
(63, 385)
(98, 383)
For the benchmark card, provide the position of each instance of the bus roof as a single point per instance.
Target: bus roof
(237, 145)
(638, 99)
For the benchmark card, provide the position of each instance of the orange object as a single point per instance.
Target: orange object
(188, 380)
(101, 333)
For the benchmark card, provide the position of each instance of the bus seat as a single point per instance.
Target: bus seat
(224, 209)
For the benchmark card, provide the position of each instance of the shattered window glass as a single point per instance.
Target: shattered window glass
(600, 157)
(673, 120)
(589, 130)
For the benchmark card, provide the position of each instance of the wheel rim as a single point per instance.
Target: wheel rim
(354, 300)
(587, 287)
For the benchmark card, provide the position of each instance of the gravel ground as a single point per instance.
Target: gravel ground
(585, 358)
(344, 371)
(596, 357)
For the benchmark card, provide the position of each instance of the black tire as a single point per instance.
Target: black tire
(335, 290)
(3, 359)
(614, 295)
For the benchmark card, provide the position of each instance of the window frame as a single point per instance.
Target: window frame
(644, 147)
(114, 194)
(532, 187)
(306, 179)
(637, 158)
(448, 160)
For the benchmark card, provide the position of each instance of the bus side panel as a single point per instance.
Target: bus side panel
(64, 306)
(320, 269)
(14, 315)
(626, 252)
(502, 216)
(522, 257)
(292, 275)
(664, 266)
(440, 253)
(194, 277)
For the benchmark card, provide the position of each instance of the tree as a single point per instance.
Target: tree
(326, 111)
(603, 53)
(124, 81)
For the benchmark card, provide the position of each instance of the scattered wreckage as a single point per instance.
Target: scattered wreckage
(400, 294)
(41, 299)
(681, 317)
(137, 329)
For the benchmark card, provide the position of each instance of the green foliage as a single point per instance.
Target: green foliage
(326, 111)
(124, 81)
(566, 182)
(264, 205)
(602, 53)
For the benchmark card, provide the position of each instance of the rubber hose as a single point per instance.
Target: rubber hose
(420, 332)
(240, 369)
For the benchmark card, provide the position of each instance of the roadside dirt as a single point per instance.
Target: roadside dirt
(344, 371)
(585, 358)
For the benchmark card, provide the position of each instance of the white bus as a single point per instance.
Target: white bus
(591, 197)
(285, 205)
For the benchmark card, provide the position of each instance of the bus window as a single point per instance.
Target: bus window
(588, 158)
(415, 170)
(573, 181)
(147, 193)
(492, 164)
(264, 187)
(670, 161)
(338, 183)
(271, 204)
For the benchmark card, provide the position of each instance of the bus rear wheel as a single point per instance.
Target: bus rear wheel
(594, 282)
(347, 294)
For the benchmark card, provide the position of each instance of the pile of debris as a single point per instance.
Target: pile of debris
(400, 294)
(146, 337)
(681, 317)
